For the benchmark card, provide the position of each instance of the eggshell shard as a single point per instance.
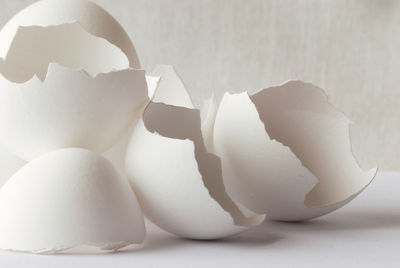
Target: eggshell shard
(93, 18)
(184, 193)
(286, 152)
(65, 199)
(171, 89)
(69, 109)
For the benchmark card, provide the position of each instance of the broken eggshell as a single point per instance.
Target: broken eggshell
(62, 84)
(286, 152)
(179, 183)
(68, 198)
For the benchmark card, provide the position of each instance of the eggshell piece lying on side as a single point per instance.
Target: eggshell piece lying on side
(177, 181)
(67, 198)
(286, 152)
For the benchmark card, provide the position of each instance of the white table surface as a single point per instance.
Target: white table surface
(365, 233)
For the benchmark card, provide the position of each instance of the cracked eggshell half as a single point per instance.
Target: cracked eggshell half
(178, 183)
(68, 198)
(93, 19)
(89, 97)
(286, 152)
(66, 79)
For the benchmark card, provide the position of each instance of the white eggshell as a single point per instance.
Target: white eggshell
(67, 198)
(69, 109)
(9, 164)
(93, 18)
(286, 152)
(90, 103)
(176, 180)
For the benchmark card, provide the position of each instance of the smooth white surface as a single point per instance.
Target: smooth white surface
(365, 233)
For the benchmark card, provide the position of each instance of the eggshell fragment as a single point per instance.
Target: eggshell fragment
(152, 84)
(286, 152)
(178, 182)
(93, 18)
(67, 198)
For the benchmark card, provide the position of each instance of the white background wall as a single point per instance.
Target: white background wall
(350, 48)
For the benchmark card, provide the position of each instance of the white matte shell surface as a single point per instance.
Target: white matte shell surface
(176, 180)
(68, 198)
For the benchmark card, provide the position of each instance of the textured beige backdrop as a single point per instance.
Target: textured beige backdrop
(350, 48)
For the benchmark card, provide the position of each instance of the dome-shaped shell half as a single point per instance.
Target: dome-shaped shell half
(68, 198)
